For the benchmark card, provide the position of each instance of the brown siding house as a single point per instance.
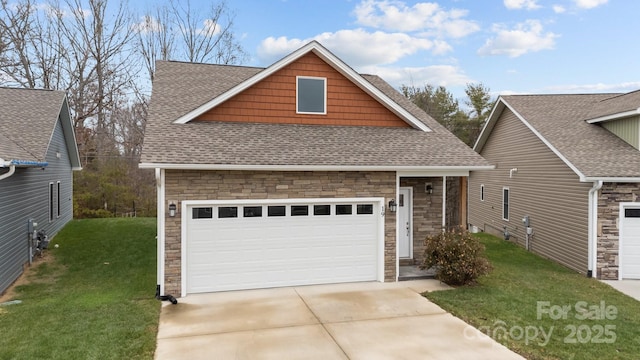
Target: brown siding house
(304, 172)
(560, 170)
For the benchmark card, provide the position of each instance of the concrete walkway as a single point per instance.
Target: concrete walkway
(345, 321)
(628, 287)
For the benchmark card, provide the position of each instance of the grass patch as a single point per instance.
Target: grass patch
(93, 300)
(507, 301)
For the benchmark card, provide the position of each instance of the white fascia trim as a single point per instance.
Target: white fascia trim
(408, 170)
(332, 60)
(612, 179)
(546, 142)
(614, 116)
(490, 121)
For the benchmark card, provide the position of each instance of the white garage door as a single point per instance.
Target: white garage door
(630, 243)
(236, 246)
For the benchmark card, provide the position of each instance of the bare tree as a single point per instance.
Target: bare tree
(178, 31)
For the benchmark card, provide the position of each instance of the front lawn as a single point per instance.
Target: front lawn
(94, 298)
(544, 311)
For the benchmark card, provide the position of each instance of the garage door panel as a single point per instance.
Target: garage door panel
(244, 253)
(630, 244)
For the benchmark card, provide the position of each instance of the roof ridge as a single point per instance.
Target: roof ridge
(211, 64)
(617, 95)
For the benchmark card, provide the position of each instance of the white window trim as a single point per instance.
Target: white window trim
(481, 192)
(508, 203)
(58, 202)
(324, 112)
(51, 202)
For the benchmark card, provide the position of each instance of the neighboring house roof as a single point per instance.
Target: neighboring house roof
(591, 151)
(183, 90)
(27, 121)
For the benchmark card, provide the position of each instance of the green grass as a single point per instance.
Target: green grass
(93, 300)
(505, 304)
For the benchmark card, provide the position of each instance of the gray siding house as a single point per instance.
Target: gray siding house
(567, 179)
(38, 153)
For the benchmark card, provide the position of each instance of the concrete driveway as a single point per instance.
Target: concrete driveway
(344, 321)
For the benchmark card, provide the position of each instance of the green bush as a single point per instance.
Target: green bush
(457, 256)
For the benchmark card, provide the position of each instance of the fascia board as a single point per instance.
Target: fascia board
(616, 116)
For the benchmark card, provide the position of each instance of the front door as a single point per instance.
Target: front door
(405, 228)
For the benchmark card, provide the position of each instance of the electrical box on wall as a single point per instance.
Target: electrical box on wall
(525, 220)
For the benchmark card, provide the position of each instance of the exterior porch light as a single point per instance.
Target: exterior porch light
(428, 188)
(392, 205)
(172, 210)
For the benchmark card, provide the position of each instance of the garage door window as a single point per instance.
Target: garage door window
(227, 212)
(202, 213)
(278, 210)
(365, 209)
(321, 209)
(252, 211)
(632, 213)
(299, 210)
(344, 210)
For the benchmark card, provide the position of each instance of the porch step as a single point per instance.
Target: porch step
(413, 272)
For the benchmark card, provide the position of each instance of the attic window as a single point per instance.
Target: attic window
(311, 95)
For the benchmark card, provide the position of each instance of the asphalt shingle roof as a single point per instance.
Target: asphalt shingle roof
(615, 104)
(27, 120)
(179, 88)
(593, 150)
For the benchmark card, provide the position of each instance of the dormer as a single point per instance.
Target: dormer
(619, 114)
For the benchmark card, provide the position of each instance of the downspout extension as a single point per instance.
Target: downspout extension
(170, 298)
(593, 228)
(12, 170)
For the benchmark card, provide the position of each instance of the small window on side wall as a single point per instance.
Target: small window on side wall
(481, 192)
(505, 203)
(311, 95)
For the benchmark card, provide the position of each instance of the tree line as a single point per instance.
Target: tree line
(103, 56)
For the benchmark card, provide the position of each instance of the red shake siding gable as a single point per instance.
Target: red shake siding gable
(273, 100)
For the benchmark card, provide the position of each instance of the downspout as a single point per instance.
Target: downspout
(592, 270)
(160, 238)
(444, 204)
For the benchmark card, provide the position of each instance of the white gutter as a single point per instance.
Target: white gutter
(171, 166)
(593, 228)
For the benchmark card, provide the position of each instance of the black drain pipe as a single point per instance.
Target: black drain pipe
(165, 297)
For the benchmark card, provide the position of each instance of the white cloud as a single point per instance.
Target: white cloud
(356, 47)
(599, 87)
(521, 4)
(589, 4)
(559, 9)
(438, 75)
(525, 37)
(209, 28)
(147, 24)
(397, 16)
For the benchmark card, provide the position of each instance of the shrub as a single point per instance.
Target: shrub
(457, 256)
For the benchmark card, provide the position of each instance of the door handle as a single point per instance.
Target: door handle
(407, 229)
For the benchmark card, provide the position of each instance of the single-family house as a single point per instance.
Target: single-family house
(38, 154)
(303, 172)
(567, 179)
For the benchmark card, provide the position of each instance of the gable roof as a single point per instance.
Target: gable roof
(179, 88)
(330, 59)
(591, 151)
(28, 118)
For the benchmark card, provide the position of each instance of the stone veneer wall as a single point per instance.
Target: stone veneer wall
(427, 212)
(611, 195)
(229, 185)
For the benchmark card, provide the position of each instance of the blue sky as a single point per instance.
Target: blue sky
(512, 46)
